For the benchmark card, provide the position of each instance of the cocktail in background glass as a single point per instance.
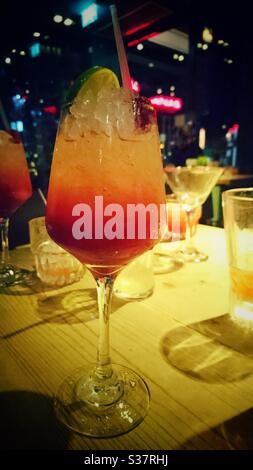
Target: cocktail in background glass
(192, 186)
(167, 253)
(15, 189)
(107, 146)
(238, 222)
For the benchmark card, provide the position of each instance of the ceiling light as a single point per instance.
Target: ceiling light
(181, 58)
(207, 35)
(7, 60)
(140, 47)
(159, 91)
(22, 53)
(151, 64)
(68, 22)
(36, 34)
(57, 18)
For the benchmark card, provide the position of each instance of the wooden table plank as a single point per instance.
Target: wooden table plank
(196, 382)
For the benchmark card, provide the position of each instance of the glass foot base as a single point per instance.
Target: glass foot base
(164, 264)
(12, 276)
(191, 256)
(133, 295)
(102, 421)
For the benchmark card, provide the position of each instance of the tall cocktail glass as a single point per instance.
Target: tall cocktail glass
(106, 158)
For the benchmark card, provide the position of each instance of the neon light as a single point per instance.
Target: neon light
(166, 104)
(135, 29)
(89, 14)
(143, 38)
(50, 109)
(135, 85)
(234, 129)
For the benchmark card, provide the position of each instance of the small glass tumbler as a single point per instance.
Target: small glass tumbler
(238, 222)
(54, 266)
(136, 281)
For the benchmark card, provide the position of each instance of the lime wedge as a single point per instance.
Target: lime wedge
(93, 80)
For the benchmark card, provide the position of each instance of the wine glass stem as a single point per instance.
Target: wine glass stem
(189, 232)
(103, 369)
(4, 228)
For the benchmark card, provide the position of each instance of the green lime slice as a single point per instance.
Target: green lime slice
(93, 79)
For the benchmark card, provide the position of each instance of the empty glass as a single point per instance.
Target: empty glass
(192, 186)
(238, 221)
(54, 266)
(136, 280)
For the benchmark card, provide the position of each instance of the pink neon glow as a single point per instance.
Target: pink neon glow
(135, 85)
(166, 104)
(143, 38)
(234, 129)
(50, 109)
(135, 29)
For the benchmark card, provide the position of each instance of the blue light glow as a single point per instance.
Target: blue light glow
(18, 101)
(17, 126)
(20, 126)
(35, 49)
(89, 14)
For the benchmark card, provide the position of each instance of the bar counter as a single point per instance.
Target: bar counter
(195, 360)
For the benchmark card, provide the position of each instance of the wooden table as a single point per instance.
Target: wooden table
(197, 363)
(228, 178)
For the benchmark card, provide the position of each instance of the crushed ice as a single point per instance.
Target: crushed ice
(112, 109)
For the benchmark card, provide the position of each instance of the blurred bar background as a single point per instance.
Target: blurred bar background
(193, 59)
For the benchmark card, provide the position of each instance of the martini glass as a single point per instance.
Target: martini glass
(15, 189)
(192, 186)
(106, 158)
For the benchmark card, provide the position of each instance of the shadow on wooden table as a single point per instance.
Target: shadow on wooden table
(238, 431)
(66, 307)
(75, 306)
(215, 351)
(34, 286)
(28, 422)
(234, 434)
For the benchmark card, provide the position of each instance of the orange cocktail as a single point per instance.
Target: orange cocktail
(15, 189)
(242, 284)
(122, 164)
(15, 184)
(106, 161)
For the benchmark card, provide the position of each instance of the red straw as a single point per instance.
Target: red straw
(126, 79)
